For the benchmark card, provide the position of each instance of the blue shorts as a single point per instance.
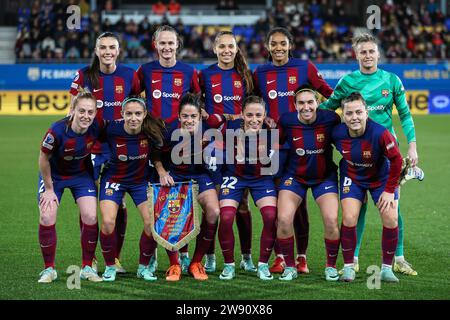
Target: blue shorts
(327, 186)
(233, 188)
(97, 161)
(348, 189)
(82, 186)
(204, 180)
(110, 190)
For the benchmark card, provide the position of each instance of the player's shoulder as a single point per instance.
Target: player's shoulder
(122, 68)
(180, 65)
(150, 65)
(297, 62)
(59, 126)
(327, 115)
(288, 117)
(375, 127)
(262, 68)
(340, 131)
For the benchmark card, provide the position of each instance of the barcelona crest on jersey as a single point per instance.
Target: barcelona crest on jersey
(175, 214)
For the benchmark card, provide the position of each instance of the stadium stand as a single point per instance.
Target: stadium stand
(322, 30)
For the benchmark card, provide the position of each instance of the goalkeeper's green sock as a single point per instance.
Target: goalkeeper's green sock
(399, 251)
(360, 228)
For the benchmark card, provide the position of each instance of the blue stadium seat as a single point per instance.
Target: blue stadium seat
(342, 29)
(317, 24)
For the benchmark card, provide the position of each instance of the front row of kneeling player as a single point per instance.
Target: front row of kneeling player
(371, 161)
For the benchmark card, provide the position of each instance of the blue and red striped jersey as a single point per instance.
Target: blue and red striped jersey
(371, 159)
(70, 152)
(277, 84)
(130, 155)
(224, 90)
(164, 87)
(247, 155)
(310, 150)
(187, 157)
(114, 88)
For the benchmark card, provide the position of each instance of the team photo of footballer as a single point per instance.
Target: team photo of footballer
(193, 147)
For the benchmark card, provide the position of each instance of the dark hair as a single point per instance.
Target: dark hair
(191, 99)
(284, 32)
(253, 99)
(93, 72)
(152, 127)
(240, 63)
(354, 96)
(306, 87)
(170, 29)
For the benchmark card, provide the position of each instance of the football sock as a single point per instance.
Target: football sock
(388, 244)
(226, 235)
(269, 232)
(301, 228)
(147, 246)
(287, 248)
(332, 249)
(360, 227)
(348, 243)
(89, 239)
(47, 241)
(120, 227)
(399, 249)
(108, 244)
(205, 242)
(173, 257)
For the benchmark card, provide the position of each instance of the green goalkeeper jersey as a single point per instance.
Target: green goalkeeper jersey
(381, 90)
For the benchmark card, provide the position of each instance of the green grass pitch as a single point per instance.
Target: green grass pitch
(424, 205)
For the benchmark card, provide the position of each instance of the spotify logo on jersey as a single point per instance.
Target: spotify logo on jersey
(273, 94)
(157, 94)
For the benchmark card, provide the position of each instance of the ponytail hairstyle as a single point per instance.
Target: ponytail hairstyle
(170, 29)
(284, 32)
(93, 72)
(240, 63)
(82, 94)
(151, 127)
(193, 100)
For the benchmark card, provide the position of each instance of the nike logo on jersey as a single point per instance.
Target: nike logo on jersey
(155, 81)
(90, 190)
(120, 145)
(209, 183)
(270, 81)
(297, 138)
(329, 187)
(67, 150)
(269, 191)
(97, 90)
(215, 85)
(344, 151)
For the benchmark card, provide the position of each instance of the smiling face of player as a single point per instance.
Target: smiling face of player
(166, 44)
(83, 114)
(133, 114)
(253, 115)
(355, 116)
(306, 105)
(189, 117)
(367, 55)
(279, 47)
(107, 51)
(225, 48)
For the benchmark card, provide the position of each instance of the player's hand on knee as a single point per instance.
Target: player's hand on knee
(386, 202)
(48, 201)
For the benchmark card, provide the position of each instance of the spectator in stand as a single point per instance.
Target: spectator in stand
(159, 8)
(174, 7)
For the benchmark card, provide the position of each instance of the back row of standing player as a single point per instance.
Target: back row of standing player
(224, 84)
